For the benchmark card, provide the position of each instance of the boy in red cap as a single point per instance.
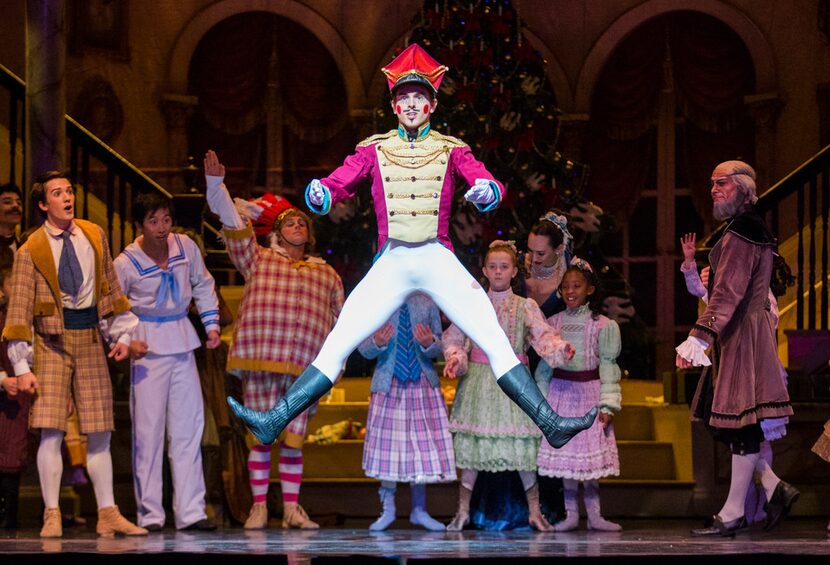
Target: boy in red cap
(414, 171)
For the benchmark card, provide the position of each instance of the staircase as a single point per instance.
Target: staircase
(105, 182)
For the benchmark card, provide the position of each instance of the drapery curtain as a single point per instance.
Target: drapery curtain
(709, 69)
(230, 73)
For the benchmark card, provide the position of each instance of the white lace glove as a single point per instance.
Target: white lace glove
(693, 350)
(316, 192)
(248, 209)
(480, 193)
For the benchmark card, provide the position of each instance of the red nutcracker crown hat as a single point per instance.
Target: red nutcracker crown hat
(414, 65)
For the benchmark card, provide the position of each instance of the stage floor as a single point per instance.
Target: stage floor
(801, 540)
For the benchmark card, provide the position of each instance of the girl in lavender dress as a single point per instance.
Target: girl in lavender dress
(591, 378)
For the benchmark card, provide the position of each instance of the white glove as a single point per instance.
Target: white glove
(693, 350)
(480, 193)
(316, 192)
(248, 209)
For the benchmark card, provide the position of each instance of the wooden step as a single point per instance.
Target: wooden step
(634, 422)
(646, 460)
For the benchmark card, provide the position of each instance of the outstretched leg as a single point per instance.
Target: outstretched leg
(370, 304)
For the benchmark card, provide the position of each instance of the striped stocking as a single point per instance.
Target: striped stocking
(259, 471)
(291, 473)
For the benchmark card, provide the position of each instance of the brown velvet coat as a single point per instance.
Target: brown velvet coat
(747, 382)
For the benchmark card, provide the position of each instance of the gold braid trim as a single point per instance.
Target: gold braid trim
(446, 138)
(243, 233)
(377, 137)
(263, 365)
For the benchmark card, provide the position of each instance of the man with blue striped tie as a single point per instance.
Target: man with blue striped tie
(407, 430)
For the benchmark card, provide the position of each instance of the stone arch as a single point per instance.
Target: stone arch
(202, 22)
(754, 39)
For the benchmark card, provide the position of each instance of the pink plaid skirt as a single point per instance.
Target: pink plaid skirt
(262, 390)
(591, 454)
(407, 435)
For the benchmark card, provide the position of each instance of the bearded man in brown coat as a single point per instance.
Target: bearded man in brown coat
(741, 385)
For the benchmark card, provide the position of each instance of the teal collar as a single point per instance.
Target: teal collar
(423, 131)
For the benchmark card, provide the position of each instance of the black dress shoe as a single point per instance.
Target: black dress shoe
(153, 528)
(721, 528)
(783, 498)
(203, 525)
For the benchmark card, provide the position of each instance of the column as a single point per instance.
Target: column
(764, 109)
(177, 109)
(45, 86)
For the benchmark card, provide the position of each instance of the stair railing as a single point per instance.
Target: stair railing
(114, 180)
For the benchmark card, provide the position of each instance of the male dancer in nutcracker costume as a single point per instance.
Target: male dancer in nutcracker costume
(413, 171)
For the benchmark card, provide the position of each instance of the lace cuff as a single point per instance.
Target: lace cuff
(693, 350)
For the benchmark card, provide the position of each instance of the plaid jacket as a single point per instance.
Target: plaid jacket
(288, 307)
(36, 296)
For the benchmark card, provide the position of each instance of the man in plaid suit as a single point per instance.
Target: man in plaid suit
(63, 285)
(290, 303)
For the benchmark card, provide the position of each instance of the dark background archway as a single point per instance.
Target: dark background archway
(272, 103)
(668, 106)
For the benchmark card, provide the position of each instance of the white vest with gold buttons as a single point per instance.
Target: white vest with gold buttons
(413, 175)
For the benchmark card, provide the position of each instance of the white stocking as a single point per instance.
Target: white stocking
(99, 467)
(769, 480)
(743, 467)
(468, 478)
(50, 465)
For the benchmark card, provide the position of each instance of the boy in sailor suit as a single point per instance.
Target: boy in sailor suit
(161, 272)
(413, 172)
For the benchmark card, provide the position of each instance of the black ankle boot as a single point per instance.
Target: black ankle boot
(521, 388)
(267, 426)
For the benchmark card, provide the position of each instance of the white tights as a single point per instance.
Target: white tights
(98, 465)
(400, 271)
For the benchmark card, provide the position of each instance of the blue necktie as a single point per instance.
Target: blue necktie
(70, 275)
(169, 288)
(407, 367)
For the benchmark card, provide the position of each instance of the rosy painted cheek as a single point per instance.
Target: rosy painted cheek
(398, 109)
(426, 108)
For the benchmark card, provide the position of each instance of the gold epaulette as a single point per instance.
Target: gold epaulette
(446, 138)
(378, 137)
